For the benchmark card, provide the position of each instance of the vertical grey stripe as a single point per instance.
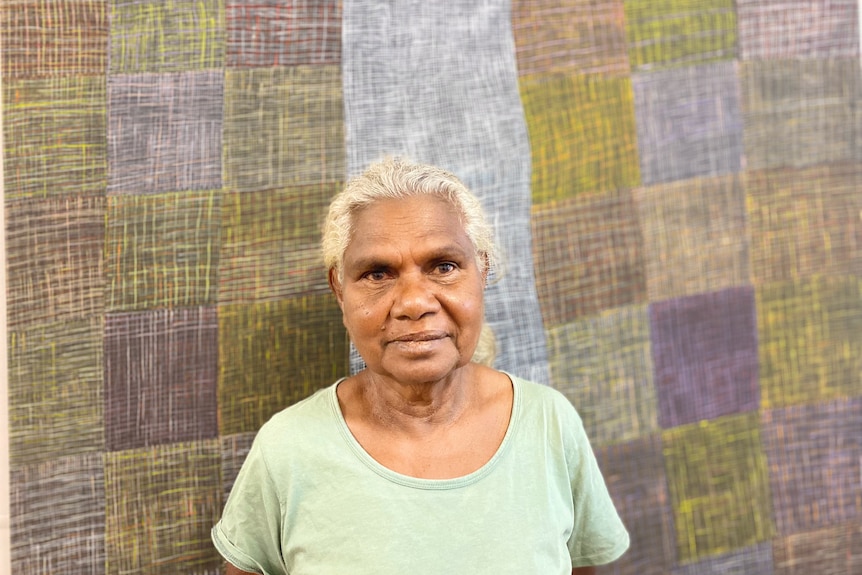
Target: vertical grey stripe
(438, 82)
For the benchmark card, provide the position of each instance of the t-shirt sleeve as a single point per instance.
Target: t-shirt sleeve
(598, 534)
(248, 535)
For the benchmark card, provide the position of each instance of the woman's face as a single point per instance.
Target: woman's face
(412, 291)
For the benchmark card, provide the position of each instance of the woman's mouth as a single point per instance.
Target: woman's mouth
(418, 342)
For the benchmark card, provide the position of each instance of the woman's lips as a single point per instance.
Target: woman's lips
(419, 337)
(419, 342)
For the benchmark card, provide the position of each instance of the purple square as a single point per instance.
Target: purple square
(165, 132)
(689, 122)
(635, 475)
(705, 355)
(160, 377)
(815, 464)
(790, 29)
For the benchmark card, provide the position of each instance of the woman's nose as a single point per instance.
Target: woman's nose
(414, 297)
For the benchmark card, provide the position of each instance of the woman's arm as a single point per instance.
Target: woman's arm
(231, 570)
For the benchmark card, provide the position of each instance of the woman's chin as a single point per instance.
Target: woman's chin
(427, 370)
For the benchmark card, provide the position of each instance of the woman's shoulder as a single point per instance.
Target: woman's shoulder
(299, 435)
(540, 392)
(547, 415)
(300, 418)
(538, 399)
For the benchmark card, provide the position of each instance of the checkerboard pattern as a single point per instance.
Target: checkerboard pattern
(674, 186)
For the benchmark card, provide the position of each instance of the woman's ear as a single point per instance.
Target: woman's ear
(335, 285)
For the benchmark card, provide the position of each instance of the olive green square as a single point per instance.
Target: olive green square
(55, 137)
(261, 258)
(805, 222)
(171, 36)
(283, 126)
(676, 33)
(603, 364)
(162, 250)
(161, 503)
(56, 391)
(582, 133)
(274, 353)
(719, 485)
(810, 340)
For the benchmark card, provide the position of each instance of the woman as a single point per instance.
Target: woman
(425, 461)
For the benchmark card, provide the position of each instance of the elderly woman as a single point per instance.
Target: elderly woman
(426, 461)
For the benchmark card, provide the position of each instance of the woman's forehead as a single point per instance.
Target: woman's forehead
(427, 220)
(426, 211)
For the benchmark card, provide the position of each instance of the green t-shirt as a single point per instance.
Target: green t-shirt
(310, 500)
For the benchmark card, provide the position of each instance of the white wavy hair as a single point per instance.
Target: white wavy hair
(396, 178)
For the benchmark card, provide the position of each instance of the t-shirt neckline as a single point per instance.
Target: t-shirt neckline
(418, 482)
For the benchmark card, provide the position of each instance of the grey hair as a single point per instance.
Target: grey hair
(396, 178)
(486, 348)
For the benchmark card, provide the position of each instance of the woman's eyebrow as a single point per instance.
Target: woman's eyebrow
(447, 251)
(368, 262)
(437, 253)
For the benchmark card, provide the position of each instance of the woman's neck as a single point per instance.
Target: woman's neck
(436, 431)
(411, 407)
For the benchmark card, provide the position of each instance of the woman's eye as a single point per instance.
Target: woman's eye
(446, 267)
